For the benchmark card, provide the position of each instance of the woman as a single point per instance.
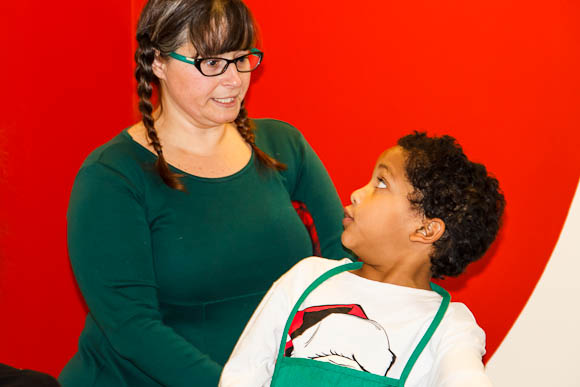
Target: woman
(178, 225)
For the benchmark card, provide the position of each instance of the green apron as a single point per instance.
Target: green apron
(302, 372)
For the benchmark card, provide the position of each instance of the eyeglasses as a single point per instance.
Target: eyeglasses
(212, 67)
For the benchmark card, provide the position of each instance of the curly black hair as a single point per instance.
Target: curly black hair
(461, 193)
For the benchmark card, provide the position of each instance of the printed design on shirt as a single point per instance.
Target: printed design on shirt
(342, 335)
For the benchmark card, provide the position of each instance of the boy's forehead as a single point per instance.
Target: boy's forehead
(392, 157)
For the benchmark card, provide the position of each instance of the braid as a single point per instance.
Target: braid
(144, 56)
(246, 128)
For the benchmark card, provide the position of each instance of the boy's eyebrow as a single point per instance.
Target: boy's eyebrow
(389, 172)
(384, 166)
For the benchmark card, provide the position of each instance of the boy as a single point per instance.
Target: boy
(426, 213)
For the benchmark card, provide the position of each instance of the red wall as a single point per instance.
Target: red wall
(66, 71)
(501, 76)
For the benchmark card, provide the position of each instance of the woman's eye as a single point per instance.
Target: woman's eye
(381, 183)
(242, 59)
(211, 62)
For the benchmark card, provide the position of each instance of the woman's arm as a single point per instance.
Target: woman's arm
(111, 255)
(315, 189)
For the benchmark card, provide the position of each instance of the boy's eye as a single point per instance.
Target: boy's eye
(381, 183)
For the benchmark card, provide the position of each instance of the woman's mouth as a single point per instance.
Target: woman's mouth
(229, 101)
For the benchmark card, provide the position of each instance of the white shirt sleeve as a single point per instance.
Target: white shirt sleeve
(253, 359)
(461, 367)
(459, 353)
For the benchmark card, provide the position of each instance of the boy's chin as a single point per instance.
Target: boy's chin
(345, 241)
(348, 246)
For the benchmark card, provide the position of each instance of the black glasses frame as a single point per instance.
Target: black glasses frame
(197, 61)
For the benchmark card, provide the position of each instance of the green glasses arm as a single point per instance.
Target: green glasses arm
(182, 58)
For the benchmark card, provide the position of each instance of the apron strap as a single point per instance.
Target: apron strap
(330, 273)
(428, 334)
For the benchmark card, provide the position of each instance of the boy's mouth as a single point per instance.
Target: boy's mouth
(348, 217)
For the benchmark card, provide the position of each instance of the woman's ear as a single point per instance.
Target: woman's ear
(159, 66)
(429, 232)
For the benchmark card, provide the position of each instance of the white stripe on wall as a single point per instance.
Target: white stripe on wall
(542, 348)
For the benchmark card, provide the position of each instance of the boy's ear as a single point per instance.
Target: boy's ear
(159, 66)
(429, 232)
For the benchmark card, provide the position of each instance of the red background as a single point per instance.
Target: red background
(501, 76)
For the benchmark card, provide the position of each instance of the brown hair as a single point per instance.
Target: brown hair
(213, 27)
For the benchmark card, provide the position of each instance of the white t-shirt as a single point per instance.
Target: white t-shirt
(359, 323)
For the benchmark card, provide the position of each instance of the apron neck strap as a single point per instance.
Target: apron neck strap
(330, 273)
(429, 333)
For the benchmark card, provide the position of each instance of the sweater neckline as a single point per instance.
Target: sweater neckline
(185, 174)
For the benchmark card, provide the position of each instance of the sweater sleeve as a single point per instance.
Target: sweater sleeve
(111, 255)
(315, 189)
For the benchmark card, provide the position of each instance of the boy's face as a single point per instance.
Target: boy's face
(380, 219)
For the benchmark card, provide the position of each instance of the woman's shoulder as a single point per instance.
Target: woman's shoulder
(276, 131)
(282, 141)
(277, 126)
(120, 149)
(121, 156)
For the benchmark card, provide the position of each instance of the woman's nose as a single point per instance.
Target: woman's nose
(232, 77)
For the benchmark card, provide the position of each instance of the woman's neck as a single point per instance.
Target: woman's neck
(185, 136)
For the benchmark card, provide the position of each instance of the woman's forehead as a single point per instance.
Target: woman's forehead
(221, 35)
(188, 49)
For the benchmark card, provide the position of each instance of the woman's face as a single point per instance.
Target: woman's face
(203, 101)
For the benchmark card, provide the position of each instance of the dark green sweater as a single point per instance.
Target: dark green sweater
(171, 278)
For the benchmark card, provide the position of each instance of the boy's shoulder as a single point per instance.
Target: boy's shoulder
(460, 312)
(309, 269)
(317, 265)
(459, 327)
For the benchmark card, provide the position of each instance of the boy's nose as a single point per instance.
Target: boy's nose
(358, 196)
(354, 198)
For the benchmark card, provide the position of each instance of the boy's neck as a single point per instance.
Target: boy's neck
(412, 276)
